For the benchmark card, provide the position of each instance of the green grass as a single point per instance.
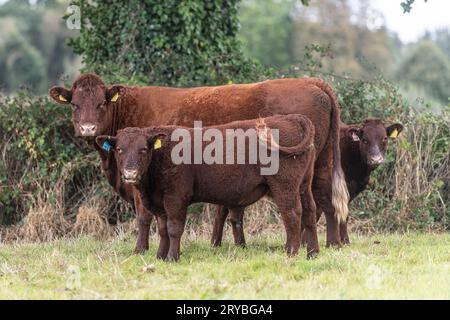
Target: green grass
(405, 266)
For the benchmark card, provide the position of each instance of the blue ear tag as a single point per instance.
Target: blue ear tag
(106, 146)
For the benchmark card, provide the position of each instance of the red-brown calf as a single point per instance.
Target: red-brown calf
(145, 161)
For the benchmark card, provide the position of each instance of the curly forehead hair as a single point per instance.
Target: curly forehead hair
(130, 130)
(373, 121)
(88, 80)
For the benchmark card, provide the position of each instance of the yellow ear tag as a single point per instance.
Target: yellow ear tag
(157, 144)
(61, 98)
(394, 134)
(115, 97)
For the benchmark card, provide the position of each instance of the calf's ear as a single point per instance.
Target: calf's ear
(157, 141)
(354, 134)
(106, 142)
(394, 130)
(60, 95)
(115, 93)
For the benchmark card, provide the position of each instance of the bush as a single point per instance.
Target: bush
(42, 160)
(163, 43)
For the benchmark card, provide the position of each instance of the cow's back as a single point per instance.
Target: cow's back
(227, 103)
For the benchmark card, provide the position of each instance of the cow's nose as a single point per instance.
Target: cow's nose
(376, 159)
(130, 174)
(88, 129)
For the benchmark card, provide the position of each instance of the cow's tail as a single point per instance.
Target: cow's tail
(305, 125)
(340, 196)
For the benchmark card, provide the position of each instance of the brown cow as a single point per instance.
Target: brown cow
(145, 160)
(99, 109)
(363, 147)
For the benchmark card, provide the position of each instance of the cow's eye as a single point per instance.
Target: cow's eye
(365, 141)
(385, 139)
(119, 150)
(75, 106)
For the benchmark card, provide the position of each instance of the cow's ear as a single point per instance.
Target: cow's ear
(60, 95)
(157, 141)
(114, 93)
(106, 143)
(394, 130)
(354, 134)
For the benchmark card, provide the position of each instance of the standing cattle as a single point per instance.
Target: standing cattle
(363, 147)
(98, 109)
(145, 160)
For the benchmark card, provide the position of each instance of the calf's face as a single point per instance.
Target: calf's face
(372, 137)
(133, 152)
(92, 104)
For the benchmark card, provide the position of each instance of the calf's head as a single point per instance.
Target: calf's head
(92, 104)
(372, 137)
(133, 150)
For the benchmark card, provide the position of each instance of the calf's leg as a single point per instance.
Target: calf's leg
(219, 223)
(237, 224)
(344, 233)
(290, 208)
(144, 219)
(310, 225)
(176, 212)
(164, 241)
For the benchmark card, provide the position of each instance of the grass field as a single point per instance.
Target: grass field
(404, 266)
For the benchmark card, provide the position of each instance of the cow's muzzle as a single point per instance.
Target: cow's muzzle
(130, 176)
(375, 160)
(88, 130)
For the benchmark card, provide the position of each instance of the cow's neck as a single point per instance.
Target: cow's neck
(152, 185)
(357, 172)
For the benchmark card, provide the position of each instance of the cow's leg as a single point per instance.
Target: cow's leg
(323, 196)
(344, 233)
(237, 223)
(176, 212)
(290, 208)
(164, 241)
(309, 214)
(144, 219)
(219, 223)
(317, 216)
(309, 224)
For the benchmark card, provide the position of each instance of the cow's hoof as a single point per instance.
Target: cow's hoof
(312, 255)
(216, 243)
(161, 255)
(173, 257)
(140, 250)
(334, 244)
(345, 242)
(240, 244)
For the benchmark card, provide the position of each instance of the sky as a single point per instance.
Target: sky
(430, 15)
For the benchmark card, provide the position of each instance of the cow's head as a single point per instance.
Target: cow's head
(92, 104)
(133, 149)
(372, 137)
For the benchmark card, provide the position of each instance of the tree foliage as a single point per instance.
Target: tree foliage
(33, 51)
(266, 31)
(168, 42)
(427, 67)
(354, 47)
